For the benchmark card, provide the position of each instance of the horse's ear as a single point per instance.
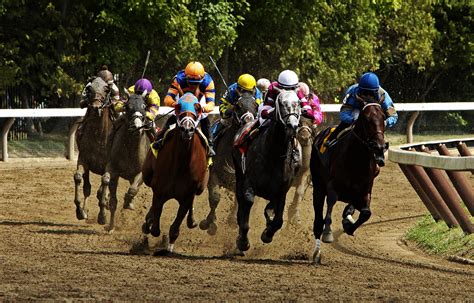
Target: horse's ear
(177, 109)
(144, 93)
(198, 109)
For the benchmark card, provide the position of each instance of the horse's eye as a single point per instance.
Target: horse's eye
(143, 106)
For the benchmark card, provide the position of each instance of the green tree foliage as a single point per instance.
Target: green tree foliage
(418, 48)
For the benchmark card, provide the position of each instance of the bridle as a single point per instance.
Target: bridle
(369, 142)
(245, 115)
(283, 119)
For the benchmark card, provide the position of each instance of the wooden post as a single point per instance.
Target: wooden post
(5, 130)
(72, 139)
(411, 122)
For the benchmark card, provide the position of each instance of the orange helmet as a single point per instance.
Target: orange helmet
(194, 71)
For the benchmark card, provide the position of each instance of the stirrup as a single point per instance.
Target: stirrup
(158, 144)
(211, 152)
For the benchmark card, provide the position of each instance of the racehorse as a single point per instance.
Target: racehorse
(305, 134)
(346, 172)
(91, 139)
(178, 171)
(222, 171)
(267, 169)
(126, 149)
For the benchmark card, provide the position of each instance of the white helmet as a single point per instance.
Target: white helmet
(263, 84)
(288, 79)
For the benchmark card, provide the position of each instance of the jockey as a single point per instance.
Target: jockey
(108, 77)
(246, 82)
(152, 101)
(287, 80)
(196, 80)
(262, 85)
(310, 107)
(368, 89)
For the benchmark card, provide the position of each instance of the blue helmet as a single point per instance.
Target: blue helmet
(370, 82)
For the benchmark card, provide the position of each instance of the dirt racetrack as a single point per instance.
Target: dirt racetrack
(47, 254)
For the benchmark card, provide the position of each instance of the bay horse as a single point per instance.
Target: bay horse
(305, 134)
(91, 140)
(267, 169)
(179, 171)
(222, 173)
(346, 172)
(126, 149)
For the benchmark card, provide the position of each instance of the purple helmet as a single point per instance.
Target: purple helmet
(142, 85)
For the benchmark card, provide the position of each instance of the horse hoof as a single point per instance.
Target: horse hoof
(243, 244)
(109, 229)
(130, 206)
(192, 224)
(212, 230)
(328, 237)
(237, 252)
(81, 214)
(145, 228)
(348, 227)
(317, 257)
(265, 238)
(155, 232)
(204, 225)
(101, 219)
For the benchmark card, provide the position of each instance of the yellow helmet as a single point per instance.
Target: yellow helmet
(246, 82)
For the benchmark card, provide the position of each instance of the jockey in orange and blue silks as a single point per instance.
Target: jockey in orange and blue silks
(192, 79)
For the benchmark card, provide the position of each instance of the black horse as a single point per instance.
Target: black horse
(267, 169)
(346, 172)
(127, 147)
(222, 171)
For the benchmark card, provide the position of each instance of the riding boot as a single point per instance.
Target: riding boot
(333, 136)
(158, 143)
(206, 130)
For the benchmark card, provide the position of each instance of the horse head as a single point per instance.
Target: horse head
(245, 109)
(98, 93)
(188, 110)
(135, 111)
(288, 110)
(369, 129)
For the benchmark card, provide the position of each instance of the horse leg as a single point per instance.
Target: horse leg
(190, 222)
(327, 232)
(275, 223)
(245, 197)
(113, 201)
(105, 181)
(318, 205)
(365, 213)
(184, 207)
(81, 213)
(293, 209)
(132, 191)
(209, 223)
(156, 210)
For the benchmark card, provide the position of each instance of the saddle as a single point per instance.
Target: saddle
(155, 148)
(324, 145)
(244, 136)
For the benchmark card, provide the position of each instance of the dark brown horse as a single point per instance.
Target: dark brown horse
(267, 169)
(127, 148)
(91, 139)
(346, 172)
(179, 171)
(222, 173)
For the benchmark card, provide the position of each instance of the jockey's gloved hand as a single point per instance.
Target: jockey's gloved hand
(228, 113)
(264, 114)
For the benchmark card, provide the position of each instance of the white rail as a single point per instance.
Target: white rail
(11, 114)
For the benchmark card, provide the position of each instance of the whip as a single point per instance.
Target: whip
(146, 63)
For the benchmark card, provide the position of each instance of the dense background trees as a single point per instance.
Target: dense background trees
(422, 50)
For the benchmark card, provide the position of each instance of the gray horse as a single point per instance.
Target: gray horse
(222, 173)
(305, 134)
(91, 139)
(127, 149)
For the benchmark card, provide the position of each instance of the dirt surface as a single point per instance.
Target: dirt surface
(47, 254)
